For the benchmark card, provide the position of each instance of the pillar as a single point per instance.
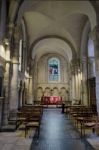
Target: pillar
(84, 91)
(76, 83)
(79, 84)
(34, 80)
(14, 80)
(73, 74)
(2, 20)
(95, 37)
(7, 76)
(30, 95)
(73, 88)
(14, 87)
(2, 94)
(76, 80)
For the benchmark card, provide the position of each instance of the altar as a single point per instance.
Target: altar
(52, 100)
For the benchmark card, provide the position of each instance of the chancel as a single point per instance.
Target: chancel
(49, 74)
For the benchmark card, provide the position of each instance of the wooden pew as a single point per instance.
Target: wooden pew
(30, 116)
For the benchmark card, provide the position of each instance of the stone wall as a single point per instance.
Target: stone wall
(44, 87)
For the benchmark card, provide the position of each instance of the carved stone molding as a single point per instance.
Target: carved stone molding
(16, 35)
(10, 30)
(94, 35)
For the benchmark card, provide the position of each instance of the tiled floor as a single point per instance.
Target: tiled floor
(57, 133)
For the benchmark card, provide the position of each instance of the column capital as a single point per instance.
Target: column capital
(11, 25)
(16, 35)
(8, 61)
(94, 34)
(75, 63)
(10, 29)
(95, 37)
(15, 62)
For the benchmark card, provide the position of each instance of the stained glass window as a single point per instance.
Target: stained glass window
(54, 69)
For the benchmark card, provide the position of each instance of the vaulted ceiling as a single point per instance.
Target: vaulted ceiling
(64, 19)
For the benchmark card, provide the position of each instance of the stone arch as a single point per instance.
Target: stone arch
(55, 91)
(39, 93)
(63, 94)
(47, 91)
(48, 37)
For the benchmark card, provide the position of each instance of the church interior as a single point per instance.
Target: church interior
(49, 74)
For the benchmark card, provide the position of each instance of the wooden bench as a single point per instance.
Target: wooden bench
(30, 116)
(33, 121)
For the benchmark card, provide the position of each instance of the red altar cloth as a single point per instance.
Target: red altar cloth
(54, 100)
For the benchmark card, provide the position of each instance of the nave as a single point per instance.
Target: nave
(58, 133)
(49, 55)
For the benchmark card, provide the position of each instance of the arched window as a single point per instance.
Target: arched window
(53, 70)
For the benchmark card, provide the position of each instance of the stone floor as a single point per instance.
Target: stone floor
(93, 139)
(14, 141)
(57, 133)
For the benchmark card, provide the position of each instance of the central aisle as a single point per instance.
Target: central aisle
(58, 133)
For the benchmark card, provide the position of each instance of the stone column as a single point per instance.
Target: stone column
(91, 67)
(84, 84)
(7, 77)
(23, 94)
(73, 87)
(24, 61)
(21, 89)
(29, 90)
(2, 20)
(95, 37)
(77, 72)
(10, 31)
(70, 88)
(2, 96)
(14, 87)
(30, 96)
(73, 72)
(34, 80)
(26, 89)
(76, 83)
(75, 80)
(14, 81)
(79, 79)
